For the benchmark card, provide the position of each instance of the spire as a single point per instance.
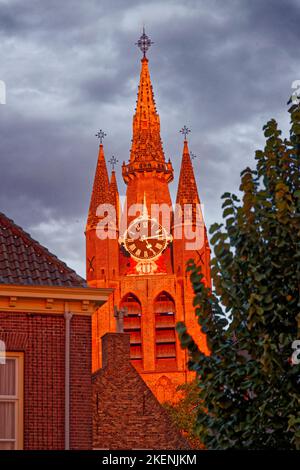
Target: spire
(113, 186)
(114, 192)
(101, 189)
(146, 150)
(187, 192)
(146, 143)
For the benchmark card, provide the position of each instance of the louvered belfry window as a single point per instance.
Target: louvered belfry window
(165, 340)
(132, 325)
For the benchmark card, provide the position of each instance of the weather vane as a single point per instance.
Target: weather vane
(144, 42)
(193, 156)
(185, 131)
(100, 135)
(113, 161)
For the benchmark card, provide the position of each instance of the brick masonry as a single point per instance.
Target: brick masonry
(42, 339)
(126, 414)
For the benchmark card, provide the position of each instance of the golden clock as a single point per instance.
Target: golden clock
(145, 239)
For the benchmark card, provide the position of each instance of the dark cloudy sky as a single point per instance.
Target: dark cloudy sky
(221, 67)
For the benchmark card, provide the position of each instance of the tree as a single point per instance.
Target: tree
(184, 412)
(249, 388)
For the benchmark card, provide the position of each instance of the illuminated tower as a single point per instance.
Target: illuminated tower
(145, 261)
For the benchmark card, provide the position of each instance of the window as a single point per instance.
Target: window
(165, 340)
(2, 352)
(132, 325)
(11, 402)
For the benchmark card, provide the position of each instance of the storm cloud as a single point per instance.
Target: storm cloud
(70, 68)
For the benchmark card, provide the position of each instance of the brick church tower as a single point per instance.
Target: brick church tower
(143, 257)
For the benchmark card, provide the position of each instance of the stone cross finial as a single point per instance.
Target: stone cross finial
(144, 43)
(113, 161)
(100, 135)
(119, 316)
(185, 131)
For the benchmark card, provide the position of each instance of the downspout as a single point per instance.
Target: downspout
(68, 316)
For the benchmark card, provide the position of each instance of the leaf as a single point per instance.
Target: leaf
(215, 238)
(227, 202)
(214, 227)
(230, 221)
(228, 211)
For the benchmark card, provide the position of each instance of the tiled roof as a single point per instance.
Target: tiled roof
(24, 261)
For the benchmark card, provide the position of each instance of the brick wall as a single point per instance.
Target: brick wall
(81, 386)
(42, 339)
(126, 414)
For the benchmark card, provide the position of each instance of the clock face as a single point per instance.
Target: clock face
(145, 239)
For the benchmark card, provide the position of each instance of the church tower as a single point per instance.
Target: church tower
(147, 244)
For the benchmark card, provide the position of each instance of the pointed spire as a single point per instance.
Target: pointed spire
(113, 187)
(113, 184)
(114, 193)
(101, 189)
(146, 142)
(187, 192)
(146, 154)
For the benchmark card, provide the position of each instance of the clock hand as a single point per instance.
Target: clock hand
(157, 237)
(149, 246)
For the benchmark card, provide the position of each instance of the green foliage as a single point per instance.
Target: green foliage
(184, 412)
(249, 390)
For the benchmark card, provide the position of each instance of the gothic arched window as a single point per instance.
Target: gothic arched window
(165, 339)
(132, 325)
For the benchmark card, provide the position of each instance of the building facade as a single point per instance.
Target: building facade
(45, 347)
(126, 414)
(144, 255)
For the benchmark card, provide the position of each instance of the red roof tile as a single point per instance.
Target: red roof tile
(24, 261)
